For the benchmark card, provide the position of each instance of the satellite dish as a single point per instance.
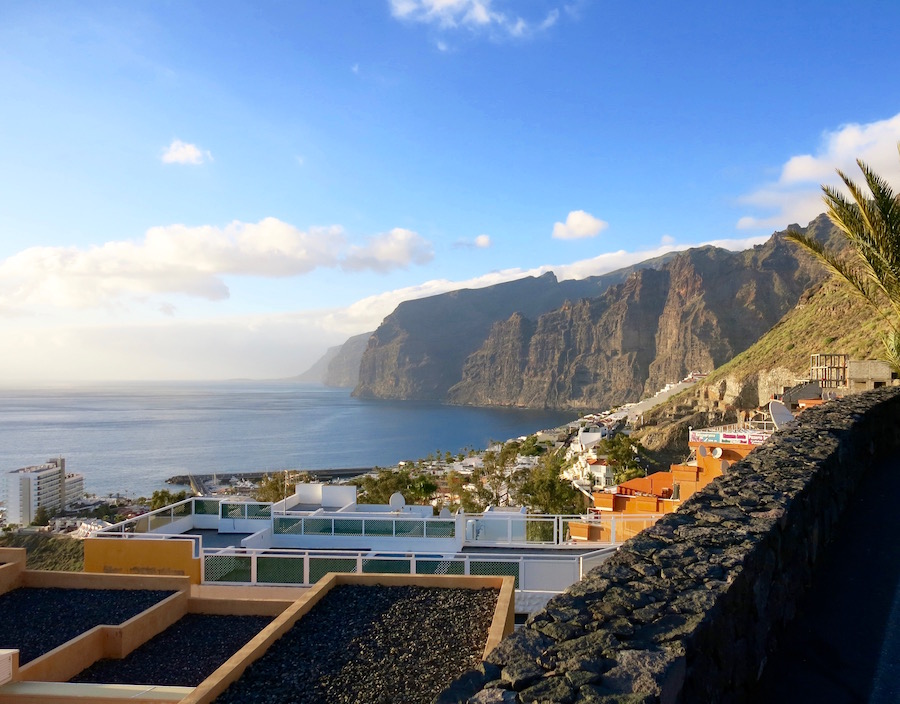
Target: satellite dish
(397, 502)
(717, 452)
(781, 414)
(701, 450)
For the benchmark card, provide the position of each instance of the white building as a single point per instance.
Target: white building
(45, 485)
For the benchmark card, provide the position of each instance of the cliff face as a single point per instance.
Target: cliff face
(419, 350)
(343, 367)
(694, 311)
(339, 366)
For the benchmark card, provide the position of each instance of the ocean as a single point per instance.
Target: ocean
(128, 438)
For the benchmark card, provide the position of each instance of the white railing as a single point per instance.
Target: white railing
(344, 525)
(192, 508)
(303, 568)
(476, 529)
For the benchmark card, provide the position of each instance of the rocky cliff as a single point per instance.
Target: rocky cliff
(419, 350)
(343, 368)
(693, 311)
(339, 366)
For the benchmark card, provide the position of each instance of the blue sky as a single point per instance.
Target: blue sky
(223, 189)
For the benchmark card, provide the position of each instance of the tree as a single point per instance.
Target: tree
(628, 458)
(164, 497)
(870, 222)
(274, 488)
(416, 487)
(530, 447)
(545, 492)
(41, 517)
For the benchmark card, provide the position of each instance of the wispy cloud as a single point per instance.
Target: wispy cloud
(473, 15)
(268, 345)
(192, 261)
(179, 152)
(796, 196)
(396, 249)
(578, 225)
(480, 242)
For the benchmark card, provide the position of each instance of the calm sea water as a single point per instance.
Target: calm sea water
(128, 438)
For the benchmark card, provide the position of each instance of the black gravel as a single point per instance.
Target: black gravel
(37, 620)
(372, 644)
(183, 655)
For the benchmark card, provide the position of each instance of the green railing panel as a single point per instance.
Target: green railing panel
(206, 507)
(409, 528)
(288, 526)
(348, 526)
(376, 566)
(317, 526)
(259, 511)
(440, 529)
(440, 567)
(538, 531)
(378, 526)
(233, 510)
(279, 570)
(226, 568)
(320, 566)
(490, 568)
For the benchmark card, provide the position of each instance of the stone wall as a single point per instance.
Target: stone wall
(688, 610)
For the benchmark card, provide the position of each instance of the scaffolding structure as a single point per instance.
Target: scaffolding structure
(830, 370)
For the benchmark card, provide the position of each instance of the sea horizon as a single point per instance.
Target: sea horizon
(128, 437)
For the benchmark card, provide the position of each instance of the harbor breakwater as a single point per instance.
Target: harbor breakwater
(689, 609)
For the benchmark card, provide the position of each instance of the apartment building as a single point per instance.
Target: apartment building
(45, 485)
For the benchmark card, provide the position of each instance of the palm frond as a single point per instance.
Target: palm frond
(858, 284)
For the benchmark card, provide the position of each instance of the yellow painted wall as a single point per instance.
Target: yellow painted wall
(142, 557)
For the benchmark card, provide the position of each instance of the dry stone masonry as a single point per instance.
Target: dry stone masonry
(688, 610)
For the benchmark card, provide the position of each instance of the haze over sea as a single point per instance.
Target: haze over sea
(128, 438)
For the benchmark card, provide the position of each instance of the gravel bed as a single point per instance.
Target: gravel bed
(37, 620)
(372, 644)
(183, 655)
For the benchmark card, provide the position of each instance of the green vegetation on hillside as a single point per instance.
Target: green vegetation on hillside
(826, 320)
(47, 552)
(870, 224)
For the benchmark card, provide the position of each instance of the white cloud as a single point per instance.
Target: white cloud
(474, 15)
(259, 346)
(578, 225)
(179, 152)
(796, 196)
(191, 261)
(396, 249)
(480, 242)
(667, 240)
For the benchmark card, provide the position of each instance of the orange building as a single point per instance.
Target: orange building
(713, 451)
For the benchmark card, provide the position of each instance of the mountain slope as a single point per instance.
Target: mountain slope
(419, 350)
(825, 320)
(589, 344)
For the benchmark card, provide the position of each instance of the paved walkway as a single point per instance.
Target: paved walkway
(844, 646)
(634, 410)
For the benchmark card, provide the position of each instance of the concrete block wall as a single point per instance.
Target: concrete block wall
(688, 610)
